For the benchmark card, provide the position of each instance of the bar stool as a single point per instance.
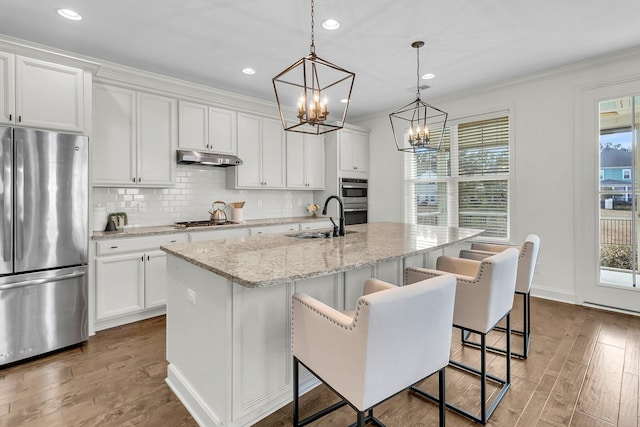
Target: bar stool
(526, 267)
(396, 337)
(484, 296)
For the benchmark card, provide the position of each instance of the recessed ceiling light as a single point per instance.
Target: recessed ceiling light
(330, 24)
(248, 70)
(69, 14)
(428, 76)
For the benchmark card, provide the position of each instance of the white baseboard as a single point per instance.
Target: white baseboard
(190, 399)
(99, 325)
(553, 294)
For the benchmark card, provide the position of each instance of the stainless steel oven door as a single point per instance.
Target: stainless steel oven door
(355, 214)
(354, 190)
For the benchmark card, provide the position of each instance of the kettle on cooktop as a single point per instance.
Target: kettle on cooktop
(218, 216)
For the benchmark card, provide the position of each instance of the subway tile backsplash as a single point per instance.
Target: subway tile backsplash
(196, 188)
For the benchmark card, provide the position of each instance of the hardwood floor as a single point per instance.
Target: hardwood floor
(583, 370)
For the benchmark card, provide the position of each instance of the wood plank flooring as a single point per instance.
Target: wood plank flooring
(583, 370)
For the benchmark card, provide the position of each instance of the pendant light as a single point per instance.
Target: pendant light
(411, 124)
(321, 90)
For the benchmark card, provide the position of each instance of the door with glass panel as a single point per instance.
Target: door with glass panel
(619, 213)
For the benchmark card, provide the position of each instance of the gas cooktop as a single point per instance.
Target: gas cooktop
(204, 223)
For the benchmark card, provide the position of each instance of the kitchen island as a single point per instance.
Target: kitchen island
(229, 308)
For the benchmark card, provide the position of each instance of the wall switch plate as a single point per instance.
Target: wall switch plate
(191, 296)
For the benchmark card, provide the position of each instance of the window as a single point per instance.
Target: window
(626, 174)
(466, 183)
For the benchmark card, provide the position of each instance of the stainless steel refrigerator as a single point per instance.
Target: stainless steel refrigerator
(43, 242)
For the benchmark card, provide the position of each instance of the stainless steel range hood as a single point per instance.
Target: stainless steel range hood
(191, 157)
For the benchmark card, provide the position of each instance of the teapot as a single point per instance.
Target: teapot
(217, 215)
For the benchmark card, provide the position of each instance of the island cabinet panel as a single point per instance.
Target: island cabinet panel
(354, 285)
(199, 338)
(390, 272)
(261, 339)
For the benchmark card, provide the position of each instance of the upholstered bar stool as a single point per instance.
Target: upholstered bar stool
(484, 296)
(526, 266)
(396, 337)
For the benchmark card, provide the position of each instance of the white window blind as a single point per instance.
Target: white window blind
(484, 160)
(466, 183)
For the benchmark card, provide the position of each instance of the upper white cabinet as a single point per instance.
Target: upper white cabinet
(134, 139)
(305, 161)
(41, 94)
(262, 149)
(203, 127)
(354, 151)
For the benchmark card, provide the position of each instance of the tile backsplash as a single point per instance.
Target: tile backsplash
(195, 190)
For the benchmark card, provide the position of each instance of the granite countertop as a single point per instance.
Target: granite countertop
(266, 260)
(168, 229)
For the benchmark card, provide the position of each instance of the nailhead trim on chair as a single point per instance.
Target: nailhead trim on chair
(429, 275)
(350, 327)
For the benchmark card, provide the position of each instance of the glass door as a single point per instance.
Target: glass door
(619, 170)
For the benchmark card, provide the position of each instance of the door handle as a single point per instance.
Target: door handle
(8, 196)
(19, 218)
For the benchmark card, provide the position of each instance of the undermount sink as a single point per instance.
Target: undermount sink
(316, 234)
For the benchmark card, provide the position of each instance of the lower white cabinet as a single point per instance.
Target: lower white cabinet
(274, 229)
(119, 285)
(130, 277)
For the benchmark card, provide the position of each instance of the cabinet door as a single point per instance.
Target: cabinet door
(119, 285)
(296, 160)
(157, 136)
(7, 94)
(49, 95)
(347, 162)
(361, 151)
(249, 174)
(222, 131)
(193, 125)
(314, 161)
(155, 279)
(114, 135)
(273, 154)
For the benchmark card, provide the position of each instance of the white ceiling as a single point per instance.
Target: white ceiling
(469, 43)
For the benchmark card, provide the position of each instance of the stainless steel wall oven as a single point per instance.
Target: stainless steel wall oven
(354, 193)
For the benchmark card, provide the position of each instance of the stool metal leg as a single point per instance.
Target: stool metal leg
(525, 332)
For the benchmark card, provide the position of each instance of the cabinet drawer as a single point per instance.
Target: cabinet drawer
(116, 246)
(273, 229)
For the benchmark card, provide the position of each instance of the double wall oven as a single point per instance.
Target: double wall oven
(353, 192)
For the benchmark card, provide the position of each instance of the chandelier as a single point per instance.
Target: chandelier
(410, 124)
(321, 89)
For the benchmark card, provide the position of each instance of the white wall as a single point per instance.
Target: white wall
(546, 111)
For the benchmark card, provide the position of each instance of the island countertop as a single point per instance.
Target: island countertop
(265, 260)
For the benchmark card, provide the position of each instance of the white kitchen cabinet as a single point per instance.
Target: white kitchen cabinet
(119, 285)
(41, 94)
(315, 225)
(274, 229)
(354, 151)
(130, 278)
(199, 236)
(305, 161)
(134, 138)
(203, 127)
(7, 88)
(262, 149)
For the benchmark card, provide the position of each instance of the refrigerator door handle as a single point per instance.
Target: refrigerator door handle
(6, 199)
(24, 283)
(19, 218)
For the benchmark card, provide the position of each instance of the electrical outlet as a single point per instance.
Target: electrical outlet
(191, 296)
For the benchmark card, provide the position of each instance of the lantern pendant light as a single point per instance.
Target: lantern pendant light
(411, 124)
(322, 91)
